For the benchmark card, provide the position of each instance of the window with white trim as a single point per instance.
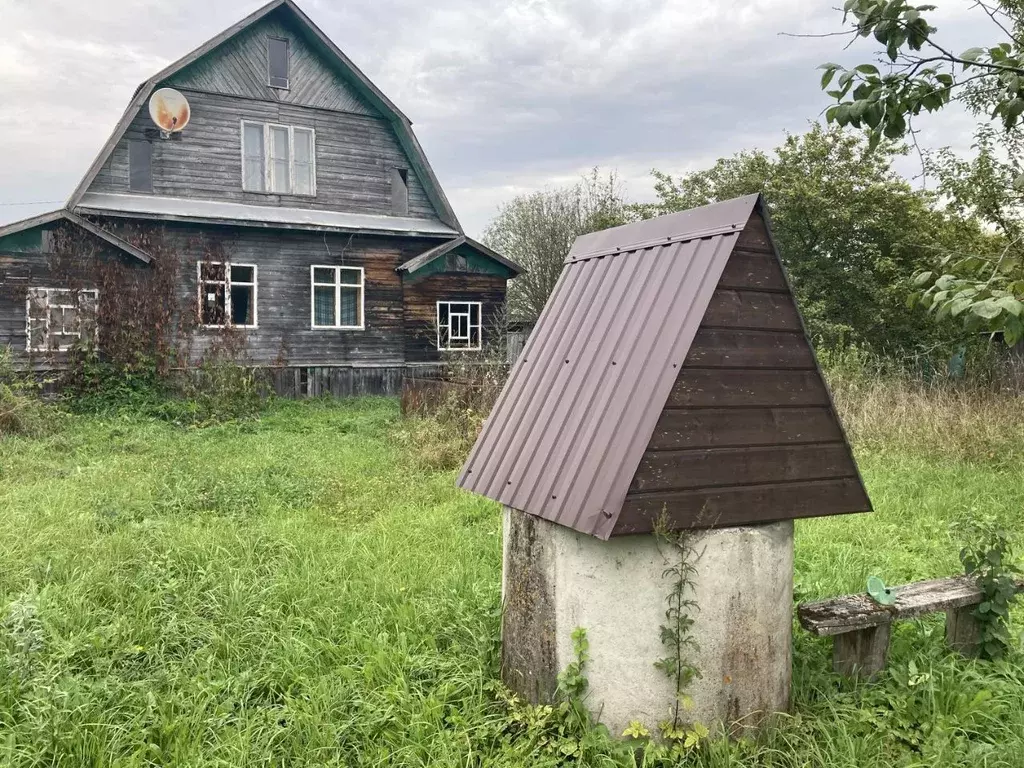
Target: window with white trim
(278, 159)
(57, 318)
(458, 325)
(337, 297)
(227, 294)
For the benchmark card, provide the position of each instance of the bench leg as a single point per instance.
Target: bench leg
(963, 634)
(861, 653)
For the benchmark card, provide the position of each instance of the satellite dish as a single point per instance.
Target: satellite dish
(169, 110)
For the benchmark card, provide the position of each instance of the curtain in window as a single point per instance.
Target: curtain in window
(350, 306)
(323, 305)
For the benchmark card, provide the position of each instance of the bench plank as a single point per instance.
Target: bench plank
(852, 612)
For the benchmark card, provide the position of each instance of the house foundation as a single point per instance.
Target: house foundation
(556, 579)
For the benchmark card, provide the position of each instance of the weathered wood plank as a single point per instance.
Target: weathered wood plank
(752, 309)
(862, 653)
(756, 270)
(704, 468)
(722, 348)
(718, 507)
(850, 612)
(747, 388)
(727, 427)
(963, 631)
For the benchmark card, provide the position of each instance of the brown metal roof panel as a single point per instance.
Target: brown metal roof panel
(707, 220)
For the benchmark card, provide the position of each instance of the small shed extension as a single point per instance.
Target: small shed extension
(669, 375)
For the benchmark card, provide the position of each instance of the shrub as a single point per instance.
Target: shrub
(22, 411)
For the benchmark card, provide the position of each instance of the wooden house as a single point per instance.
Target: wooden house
(669, 381)
(340, 252)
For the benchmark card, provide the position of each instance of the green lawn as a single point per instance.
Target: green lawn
(294, 591)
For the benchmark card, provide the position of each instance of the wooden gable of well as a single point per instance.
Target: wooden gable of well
(749, 432)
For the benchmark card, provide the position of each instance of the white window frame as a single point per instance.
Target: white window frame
(469, 325)
(268, 166)
(313, 284)
(46, 320)
(226, 282)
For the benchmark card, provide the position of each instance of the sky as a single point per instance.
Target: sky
(506, 97)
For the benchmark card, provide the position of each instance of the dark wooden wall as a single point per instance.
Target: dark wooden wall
(283, 259)
(356, 148)
(421, 297)
(749, 433)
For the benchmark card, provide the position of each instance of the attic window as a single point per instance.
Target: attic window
(140, 166)
(399, 191)
(277, 62)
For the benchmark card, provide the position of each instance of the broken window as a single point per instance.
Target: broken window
(277, 62)
(399, 191)
(337, 297)
(458, 325)
(58, 318)
(140, 166)
(227, 295)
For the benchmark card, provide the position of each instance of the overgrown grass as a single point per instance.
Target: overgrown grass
(299, 590)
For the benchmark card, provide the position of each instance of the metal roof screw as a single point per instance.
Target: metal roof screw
(566, 362)
(606, 513)
(554, 497)
(613, 362)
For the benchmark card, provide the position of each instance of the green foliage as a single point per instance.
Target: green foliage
(676, 632)
(537, 230)
(987, 555)
(220, 389)
(572, 681)
(296, 591)
(920, 73)
(22, 411)
(850, 230)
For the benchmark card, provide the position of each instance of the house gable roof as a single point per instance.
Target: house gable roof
(476, 257)
(349, 71)
(62, 215)
(669, 378)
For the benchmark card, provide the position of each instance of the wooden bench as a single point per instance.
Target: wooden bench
(860, 627)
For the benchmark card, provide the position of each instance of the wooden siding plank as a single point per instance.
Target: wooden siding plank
(726, 427)
(721, 348)
(753, 270)
(354, 156)
(752, 309)
(742, 505)
(710, 467)
(747, 388)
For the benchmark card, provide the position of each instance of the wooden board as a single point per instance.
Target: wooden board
(730, 427)
(852, 612)
(710, 467)
(730, 348)
(741, 505)
(716, 388)
(752, 309)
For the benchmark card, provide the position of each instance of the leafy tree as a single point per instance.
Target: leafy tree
(852, 232)
(982, 286)
(919, 72)
(537, 230)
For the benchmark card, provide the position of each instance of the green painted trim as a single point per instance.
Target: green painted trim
(472, 262)
(26, 241)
